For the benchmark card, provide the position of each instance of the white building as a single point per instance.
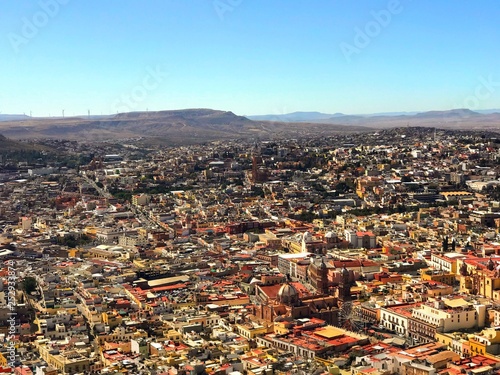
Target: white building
(141, 200)
(360, 239)
(287, 266)
(449, 315)
(26, 223)
(395, 318)
(446, 262)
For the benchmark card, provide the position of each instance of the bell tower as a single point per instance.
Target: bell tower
(345, 284)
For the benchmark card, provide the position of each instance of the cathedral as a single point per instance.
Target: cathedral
(290, 301)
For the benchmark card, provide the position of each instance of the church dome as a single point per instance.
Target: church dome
(287, 294)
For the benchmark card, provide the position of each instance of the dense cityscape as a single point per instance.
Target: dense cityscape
(364, 253)
(232, 187)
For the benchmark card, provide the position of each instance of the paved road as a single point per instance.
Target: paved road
(101, 191)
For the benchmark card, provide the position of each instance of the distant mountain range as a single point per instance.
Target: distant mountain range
(451, 119)
(200, 125)
(174, 127)
(13, 117)
(295, 117)
(325, 117)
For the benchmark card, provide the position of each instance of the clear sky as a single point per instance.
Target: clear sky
(248, 56)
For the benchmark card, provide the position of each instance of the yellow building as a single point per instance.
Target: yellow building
(90, 231)
(293, 246)
(437, 289)
(251, 330)
(429, 274)
(3, 360)
(112, 319)
(139, 263)
(487, 342)
(455, 341)
(121, 334)
(122, 346)
(479, 277)
(445, 338)
(319, 223)
(140, 199)
(282, 328)
(74, 253)
(59, 310)
(172, 335)
(67, 362)
(366, 183)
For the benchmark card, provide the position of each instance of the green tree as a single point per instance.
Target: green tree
(29, 284)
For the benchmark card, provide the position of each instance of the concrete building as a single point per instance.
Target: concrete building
(360, 239)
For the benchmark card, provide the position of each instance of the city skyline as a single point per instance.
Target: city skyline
(252, 58)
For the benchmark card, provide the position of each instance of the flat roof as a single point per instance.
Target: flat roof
(330, 332)
(458, 302)
(167, 280)
(292, 256)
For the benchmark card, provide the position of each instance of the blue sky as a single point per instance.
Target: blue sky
(248, 56)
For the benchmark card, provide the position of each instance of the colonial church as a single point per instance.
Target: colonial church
(292, 300)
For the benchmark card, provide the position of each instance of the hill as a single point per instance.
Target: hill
(189, 126)
(9, 145)
(176, 127)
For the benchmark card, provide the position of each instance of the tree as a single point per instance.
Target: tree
(343, 187)
(406, 178)
(29, 284)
